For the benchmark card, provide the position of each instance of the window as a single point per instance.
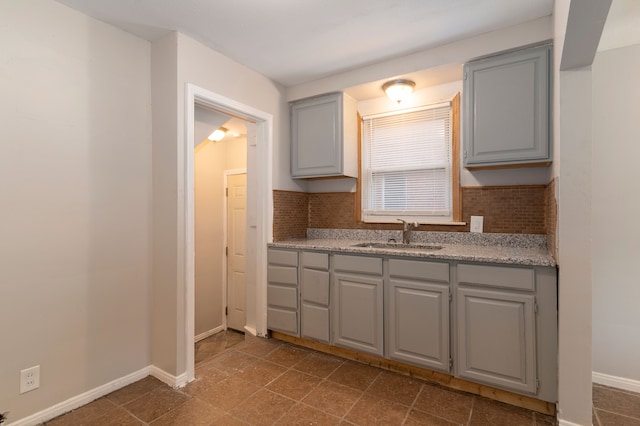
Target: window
(410, 165)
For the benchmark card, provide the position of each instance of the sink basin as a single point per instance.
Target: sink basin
(398, 246)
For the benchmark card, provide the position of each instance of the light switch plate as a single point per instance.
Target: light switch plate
(477, 223)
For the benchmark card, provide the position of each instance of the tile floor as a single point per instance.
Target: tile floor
(268, 382)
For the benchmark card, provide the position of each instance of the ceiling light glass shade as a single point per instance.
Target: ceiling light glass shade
(217, 134)
(398, 90)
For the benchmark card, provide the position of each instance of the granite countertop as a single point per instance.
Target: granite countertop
(515, 249)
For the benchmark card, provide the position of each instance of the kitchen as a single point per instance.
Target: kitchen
(158, 323)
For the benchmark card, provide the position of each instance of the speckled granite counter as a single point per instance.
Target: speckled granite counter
(516, 249)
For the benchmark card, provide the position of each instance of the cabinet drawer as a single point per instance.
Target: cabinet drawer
(315, 322)
(433, 271)
(282, 275)
(315, 260)
(282, 257)
(315, 286)
(497, 276)
(283, 320)
(362, 264)
(282, 296)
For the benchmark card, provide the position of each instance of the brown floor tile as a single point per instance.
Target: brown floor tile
(120, 417)
(261, 372)
(232, 361)
(227, 420)
(228, 393)
(396, 388)
(204, 380)
(418, 418)
(263, 408)
(332, 398)
(606, 418)
(294, 384)
(134, 390)
(86, 414)
(355, 375)
(303, 414)
(488, 412)
(287, 355)
(154, 404)
(371, 410)
(193, 412)
(318, 364)
(544, 420)
(444, 403)
(616, 401)
(258, 346)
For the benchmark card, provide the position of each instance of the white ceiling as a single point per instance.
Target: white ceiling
(297, 41)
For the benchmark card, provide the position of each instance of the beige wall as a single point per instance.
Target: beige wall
(75, 185)
(211, 161)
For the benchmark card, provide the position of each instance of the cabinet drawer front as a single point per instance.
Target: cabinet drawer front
(315, 322)
(497, 276)
(315, 260)
(282, 257)
(315, 286)
(365, 265)
(282, 320)
(282, 275)
(286, 297)
(432, 271)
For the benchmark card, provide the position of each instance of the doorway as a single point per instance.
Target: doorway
(259, 214)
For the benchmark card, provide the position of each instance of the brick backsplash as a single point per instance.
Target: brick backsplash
(527, 209)
(551, 216)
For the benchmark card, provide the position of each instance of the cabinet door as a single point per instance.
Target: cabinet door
(418, 323)
(316, 136)
(506, 109)
(358, 312)
(496, 338)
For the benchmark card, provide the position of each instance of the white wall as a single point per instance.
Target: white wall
(616, 210)
(75, 185)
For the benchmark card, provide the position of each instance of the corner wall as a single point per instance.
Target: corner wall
(75, 173)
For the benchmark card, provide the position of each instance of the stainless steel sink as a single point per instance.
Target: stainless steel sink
(397, 246)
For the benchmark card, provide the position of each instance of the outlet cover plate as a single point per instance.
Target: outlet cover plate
(29, 379)
(477, 223)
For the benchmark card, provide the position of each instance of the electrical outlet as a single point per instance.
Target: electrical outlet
(29, 379)
(476, 223)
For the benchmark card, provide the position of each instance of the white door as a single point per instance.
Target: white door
(236, 247)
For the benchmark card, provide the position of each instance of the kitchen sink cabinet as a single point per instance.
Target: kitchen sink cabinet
(315, 321)
(358, 303)
(324, 137)
(418, 313)
(282, 291)
(506, 330)
(506, 109)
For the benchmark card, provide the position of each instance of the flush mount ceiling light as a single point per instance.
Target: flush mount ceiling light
(217, 134)
(398, 90)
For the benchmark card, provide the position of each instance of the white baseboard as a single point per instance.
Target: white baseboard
(82, 399)
(206, 334)
(251, 330)
(616, 382)
(169, 379)
(567, 423)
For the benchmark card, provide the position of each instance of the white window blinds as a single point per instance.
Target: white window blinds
(407, 165)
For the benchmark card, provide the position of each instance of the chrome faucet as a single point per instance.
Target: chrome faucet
(407, 227)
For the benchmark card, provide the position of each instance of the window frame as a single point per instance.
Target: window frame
(456, 203)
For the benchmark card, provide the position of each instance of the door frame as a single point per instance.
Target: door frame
(225, 240)
(259, 212)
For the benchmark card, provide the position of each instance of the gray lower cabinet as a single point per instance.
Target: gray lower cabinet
(506, 330)
(282, 291)
(418, 313)
(358, 303)
(315, 320)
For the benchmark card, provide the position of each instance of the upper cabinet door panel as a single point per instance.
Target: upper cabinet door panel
(507, 109)
(324, 137)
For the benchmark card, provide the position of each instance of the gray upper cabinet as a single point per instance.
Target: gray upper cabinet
(324, 133)
(418, 313)
(358, 303)
(507, 109)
